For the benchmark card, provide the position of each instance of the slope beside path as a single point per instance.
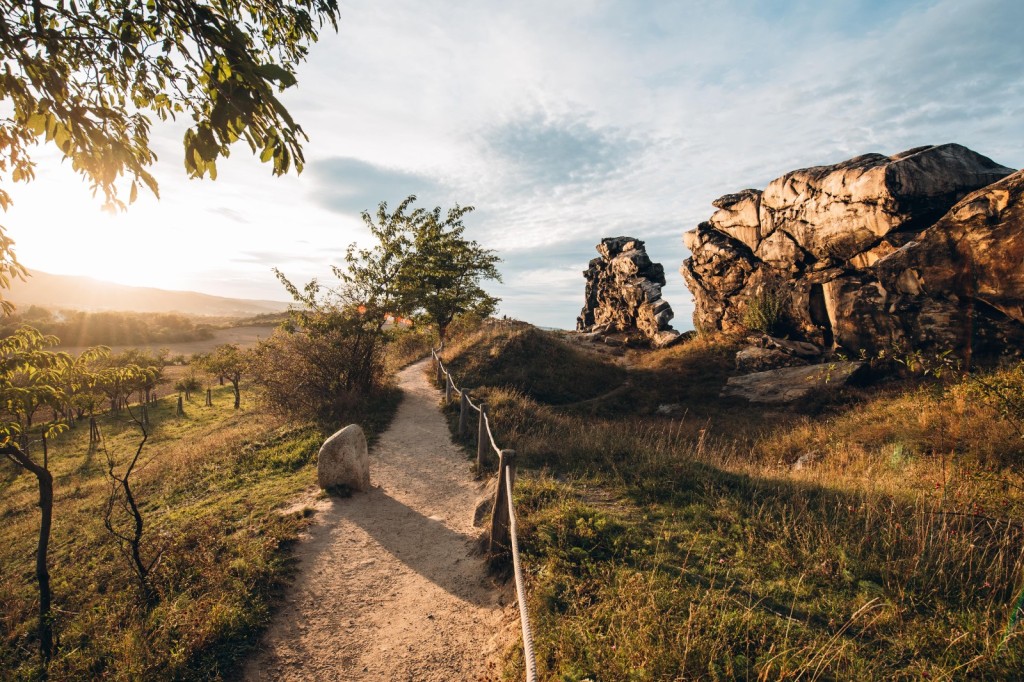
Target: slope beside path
(388, 587)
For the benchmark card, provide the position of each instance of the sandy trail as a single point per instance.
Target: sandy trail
(388, 588)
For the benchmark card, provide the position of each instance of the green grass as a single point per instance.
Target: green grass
(691, 547)
(211, 491)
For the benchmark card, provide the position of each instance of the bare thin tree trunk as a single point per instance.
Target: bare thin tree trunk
(134, 540)
(45, 479)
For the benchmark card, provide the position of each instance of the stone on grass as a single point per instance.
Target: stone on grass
(756, 359)
(343, 461)
(791, 383)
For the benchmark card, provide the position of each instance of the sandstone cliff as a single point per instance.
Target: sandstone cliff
(624, 292)
(923, 248)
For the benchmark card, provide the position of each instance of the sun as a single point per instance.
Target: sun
(74, 236)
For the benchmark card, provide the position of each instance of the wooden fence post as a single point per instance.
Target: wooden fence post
(180, 412)
(440, 372)
(500, 540)
(447, 389)
(209, 397)
(463, 412)
(481, 440)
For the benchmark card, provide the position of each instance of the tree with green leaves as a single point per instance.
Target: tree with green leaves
(421, 263)
(88, 76)
(230, 362)
(30, 376)
(443, 272)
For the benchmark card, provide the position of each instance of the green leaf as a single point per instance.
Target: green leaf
(273, 72)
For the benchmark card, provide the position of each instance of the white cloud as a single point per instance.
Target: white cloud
(562, 123)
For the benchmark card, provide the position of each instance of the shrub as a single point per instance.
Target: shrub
(321, 369)
(765, 310)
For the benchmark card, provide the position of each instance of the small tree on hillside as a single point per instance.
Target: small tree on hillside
(421, 263)
(128, 533)
(188, 384)
(333, 343)
(81, 382)
(229, 362)
(30, 376)
(444, 270)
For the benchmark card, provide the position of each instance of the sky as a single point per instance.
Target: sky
(561, 123)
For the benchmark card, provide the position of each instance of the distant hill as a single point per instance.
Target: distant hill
(85, 293)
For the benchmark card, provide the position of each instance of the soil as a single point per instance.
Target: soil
(389, 585)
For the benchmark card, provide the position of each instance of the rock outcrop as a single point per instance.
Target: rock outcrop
(965, 274)
(923, 248)
(767, 353)
(624, 293)
(792, 383)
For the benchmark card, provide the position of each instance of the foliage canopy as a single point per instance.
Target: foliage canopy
(85, 76)
(423, 264)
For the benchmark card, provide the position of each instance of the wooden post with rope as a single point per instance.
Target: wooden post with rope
(500, 540)
(463, 412)
(481, 440)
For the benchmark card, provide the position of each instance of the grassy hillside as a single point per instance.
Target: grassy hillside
(532, 362)
(878, 537)
(212, 489)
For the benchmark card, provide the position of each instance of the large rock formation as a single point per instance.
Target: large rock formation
(870, 252)
(624, 292)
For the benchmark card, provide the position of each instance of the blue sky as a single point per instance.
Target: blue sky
(562, 123)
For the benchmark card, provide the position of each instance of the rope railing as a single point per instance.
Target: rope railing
(503, 530)
(528, 655)
(494, 445)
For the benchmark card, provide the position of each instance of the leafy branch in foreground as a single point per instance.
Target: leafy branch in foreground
(82, 76)
(86, 75)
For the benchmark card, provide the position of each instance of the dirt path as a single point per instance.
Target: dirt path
(388, 588)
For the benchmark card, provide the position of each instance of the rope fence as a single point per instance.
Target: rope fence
(502, 534)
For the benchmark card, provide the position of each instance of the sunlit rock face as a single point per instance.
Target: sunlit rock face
(624, 292)
(924, 249)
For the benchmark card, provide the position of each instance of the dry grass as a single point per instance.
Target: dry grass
(894, 550)
(209, 490)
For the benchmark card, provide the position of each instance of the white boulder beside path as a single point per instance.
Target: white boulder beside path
(343, 461)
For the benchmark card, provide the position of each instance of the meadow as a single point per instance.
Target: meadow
(875, 534)
(667, 533)
(217, 489)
